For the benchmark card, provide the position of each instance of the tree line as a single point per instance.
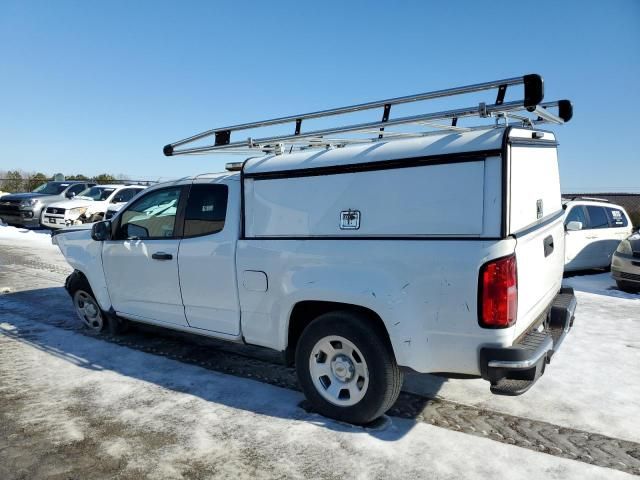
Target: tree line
(14, 181)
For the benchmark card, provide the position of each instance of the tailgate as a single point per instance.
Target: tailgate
(536, 221)
(540, 257)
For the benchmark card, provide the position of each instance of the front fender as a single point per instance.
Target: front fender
(85, 254)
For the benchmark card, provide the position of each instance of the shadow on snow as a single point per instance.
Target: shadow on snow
(238, 376)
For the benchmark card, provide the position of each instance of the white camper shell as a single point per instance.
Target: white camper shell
(440, 252)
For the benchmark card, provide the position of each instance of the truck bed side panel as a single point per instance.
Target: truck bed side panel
(425, 291)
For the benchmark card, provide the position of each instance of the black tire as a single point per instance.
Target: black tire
(80, 291)
(384, 375)
(627, 287)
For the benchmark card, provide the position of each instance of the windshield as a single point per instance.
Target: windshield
(51, 188)
(96, 193)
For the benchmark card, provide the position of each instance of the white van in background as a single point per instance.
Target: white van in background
(594, 229)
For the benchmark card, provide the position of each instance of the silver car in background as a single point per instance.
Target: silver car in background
(625, 264)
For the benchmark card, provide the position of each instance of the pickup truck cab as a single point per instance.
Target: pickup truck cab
(442, 253)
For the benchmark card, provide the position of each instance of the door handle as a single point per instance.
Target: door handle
(161, 256)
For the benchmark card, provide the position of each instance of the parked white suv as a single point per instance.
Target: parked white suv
(594, 229)
(88, 206)
(438, 253)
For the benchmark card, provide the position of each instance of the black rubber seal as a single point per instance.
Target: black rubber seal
(533, 91)
(565, 110)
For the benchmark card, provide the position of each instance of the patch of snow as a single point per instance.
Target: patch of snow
(163, 419)
(600, 284)
(591, 384)
(42, 237)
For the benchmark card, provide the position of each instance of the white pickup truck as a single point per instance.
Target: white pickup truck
(441, 252)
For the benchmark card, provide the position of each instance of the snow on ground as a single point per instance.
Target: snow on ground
(163, 418)
(592, 383)
(37, 237)
(21, 246)
(600, 284)
(158, 418)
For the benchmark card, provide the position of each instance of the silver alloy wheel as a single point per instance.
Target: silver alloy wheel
(88, 310)
(339, 371)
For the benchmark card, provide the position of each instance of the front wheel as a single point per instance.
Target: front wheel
(346, 367)
(88, 309)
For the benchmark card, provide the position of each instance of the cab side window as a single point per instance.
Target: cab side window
(576, 214)
(206, 209)
(597, 217)
(125, 195)
(617, 218)
(151, 216)
(76, 189)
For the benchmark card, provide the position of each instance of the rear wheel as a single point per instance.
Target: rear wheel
(346, 367)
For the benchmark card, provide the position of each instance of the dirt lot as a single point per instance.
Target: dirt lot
(155, 404)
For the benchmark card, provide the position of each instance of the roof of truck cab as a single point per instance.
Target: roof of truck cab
(202, 178)
(396, 149)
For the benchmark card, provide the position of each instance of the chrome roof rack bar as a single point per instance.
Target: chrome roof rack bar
(530, 103)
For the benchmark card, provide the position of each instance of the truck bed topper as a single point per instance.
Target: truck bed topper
(527, 112)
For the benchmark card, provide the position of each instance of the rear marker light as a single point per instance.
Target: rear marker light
(498, 293)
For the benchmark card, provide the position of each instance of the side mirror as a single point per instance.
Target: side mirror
(573, 226)
(101, 231)
(70, 194)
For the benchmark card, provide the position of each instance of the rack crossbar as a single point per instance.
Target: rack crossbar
(531, 103)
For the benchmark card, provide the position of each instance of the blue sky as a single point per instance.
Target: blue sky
(89, 87)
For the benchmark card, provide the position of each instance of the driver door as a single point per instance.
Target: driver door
(141, 261)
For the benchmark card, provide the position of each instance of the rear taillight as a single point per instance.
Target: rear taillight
(498, 295)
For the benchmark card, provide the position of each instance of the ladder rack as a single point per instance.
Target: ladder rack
(527, 112)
